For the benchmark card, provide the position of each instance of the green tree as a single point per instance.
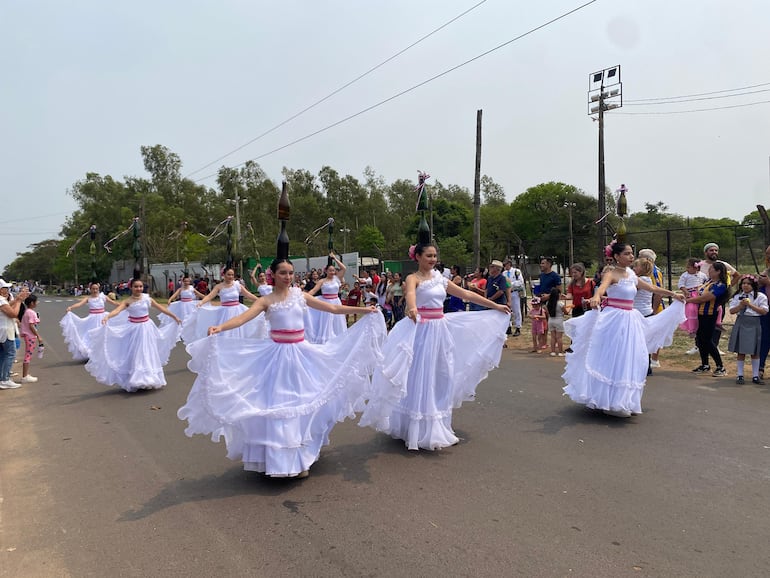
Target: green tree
(540, 218)
(491, 192)
(370, 240)
(454, 251)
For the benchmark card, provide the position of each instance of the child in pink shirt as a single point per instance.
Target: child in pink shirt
(31, 337)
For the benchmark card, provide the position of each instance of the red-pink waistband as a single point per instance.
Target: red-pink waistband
(186, 299)
(230, 303)
(287, 335)
(329, 295)
(620, 303)
(139, 319)
(430, 312)
(96, 311)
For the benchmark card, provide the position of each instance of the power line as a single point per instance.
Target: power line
(340, 89)
(695, 109)
(700, 94)
(696, 99)
(408, 90)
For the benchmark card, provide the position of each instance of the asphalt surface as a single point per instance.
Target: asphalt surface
(98, 482)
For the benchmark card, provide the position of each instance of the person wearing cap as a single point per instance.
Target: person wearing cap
(9, 312)
(711, 256)
(497, 289)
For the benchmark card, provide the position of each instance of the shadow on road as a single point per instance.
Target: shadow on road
(350, 461)
(578, 414)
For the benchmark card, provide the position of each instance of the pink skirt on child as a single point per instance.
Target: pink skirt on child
(690, 325)
(538, 326)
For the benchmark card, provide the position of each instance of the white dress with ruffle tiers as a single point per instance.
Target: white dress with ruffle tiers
(276, 400)
(76, 329)
(608, 367)
(321, 326)
(431, 367)
(196, 325)
(131, 354)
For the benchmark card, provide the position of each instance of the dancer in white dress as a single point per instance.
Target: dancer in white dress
(206, 315)
(76, 329)
(433, 362)
(182, 302)
(608, 367)
(276, 400)
(321, 326)
(132, 354)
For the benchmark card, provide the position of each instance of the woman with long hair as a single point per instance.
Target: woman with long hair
(205, 315)
(579, 289)
(76, 329)
(608, 367)
(131, 354)
(710, 298)
(320, 326)
(433, 362)
(276, 400)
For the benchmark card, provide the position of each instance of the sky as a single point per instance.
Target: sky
(87, 83)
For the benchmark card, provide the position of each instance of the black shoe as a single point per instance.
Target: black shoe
(517, 332)
(757, 381)
(568, 350)
(719, 372)
(701, 369)
(739, 380)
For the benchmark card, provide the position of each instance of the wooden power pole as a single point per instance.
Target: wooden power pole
(477, 197)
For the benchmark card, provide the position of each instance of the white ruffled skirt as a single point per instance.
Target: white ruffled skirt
(182, 309)
(321, 326)
(428, 370)
(608, 367)
(131, 355)
(276, 403)
(196, 324)
(76, 331)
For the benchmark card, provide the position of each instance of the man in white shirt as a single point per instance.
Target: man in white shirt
(516, 280)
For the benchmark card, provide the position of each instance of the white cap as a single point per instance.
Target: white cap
(4, 285)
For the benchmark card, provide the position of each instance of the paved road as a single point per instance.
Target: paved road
(97, 482)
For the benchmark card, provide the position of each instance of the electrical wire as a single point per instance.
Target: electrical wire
(412, 88)
(627, 103)
(337, 91)
(694, 110)
(699, 94)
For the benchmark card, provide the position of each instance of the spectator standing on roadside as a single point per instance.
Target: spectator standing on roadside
(710, 257)
(9, 313)
(516, 282)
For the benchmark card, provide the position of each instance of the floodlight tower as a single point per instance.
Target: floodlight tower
(605, 92)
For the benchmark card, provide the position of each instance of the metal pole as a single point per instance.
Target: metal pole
(602, 229)
(477, 196)
(571, 244)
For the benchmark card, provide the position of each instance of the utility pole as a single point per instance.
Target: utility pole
(477, 197)
(605, 92)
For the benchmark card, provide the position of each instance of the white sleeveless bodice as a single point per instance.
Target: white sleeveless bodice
(96, 304)
(264, 290)
(289, 314)
(141, 308)
(230, 294)
(331, 289)
(625, 288)
(431, 294)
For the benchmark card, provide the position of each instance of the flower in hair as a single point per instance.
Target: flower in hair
(608, 249)
(412, 254)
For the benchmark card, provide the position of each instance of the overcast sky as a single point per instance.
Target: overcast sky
(87, 83)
